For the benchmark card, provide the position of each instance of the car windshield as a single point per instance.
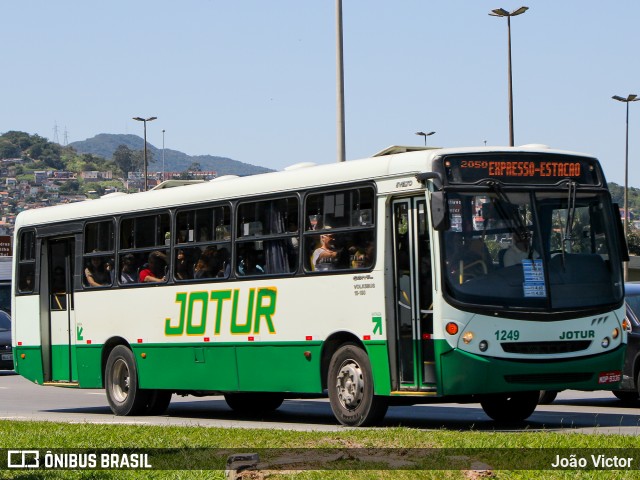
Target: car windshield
(542, 250)
(5, 322)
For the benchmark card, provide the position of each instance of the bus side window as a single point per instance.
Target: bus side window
(27, 262)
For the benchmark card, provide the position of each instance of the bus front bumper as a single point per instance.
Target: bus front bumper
(464, 373)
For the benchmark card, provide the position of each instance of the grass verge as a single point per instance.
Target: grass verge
(349, 454)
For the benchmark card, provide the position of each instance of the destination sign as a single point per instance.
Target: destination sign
(520, 168)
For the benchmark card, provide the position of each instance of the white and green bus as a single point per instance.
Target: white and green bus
(470, 274)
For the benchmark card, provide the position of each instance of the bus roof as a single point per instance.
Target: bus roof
(391, 162)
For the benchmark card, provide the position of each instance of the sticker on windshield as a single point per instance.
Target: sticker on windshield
(533, 278)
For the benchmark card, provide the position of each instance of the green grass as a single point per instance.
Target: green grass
(190, 440)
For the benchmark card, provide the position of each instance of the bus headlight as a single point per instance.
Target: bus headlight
(605, 342)
(483, 346)
(467, 337)
(615, 333)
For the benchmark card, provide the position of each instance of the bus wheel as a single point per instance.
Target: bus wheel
(510, 407)
(121, 380)
(250, 403)
(547, 397)
(627, 396)
(350, 384)
(158, 401)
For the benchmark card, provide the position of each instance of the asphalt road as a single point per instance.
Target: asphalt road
(573, 411)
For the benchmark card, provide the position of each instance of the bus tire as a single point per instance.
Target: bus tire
(254, 403)
(627, 396)
(510, 407)
(158, 401)
(350, 384)
(547, 397)
(121, 383)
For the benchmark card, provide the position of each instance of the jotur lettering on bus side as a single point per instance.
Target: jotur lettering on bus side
(196, 307)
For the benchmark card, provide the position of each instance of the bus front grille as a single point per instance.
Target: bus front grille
(536, 378)
(545, 348)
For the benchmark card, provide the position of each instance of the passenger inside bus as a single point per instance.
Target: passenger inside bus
(155, 270)
(182, 266)
(518, 250)
(128, 271)
(467, 257)
(248, 262)
(97, 273)
(327, 255)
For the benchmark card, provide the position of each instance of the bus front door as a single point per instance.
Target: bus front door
(59, 276)
(413, 295)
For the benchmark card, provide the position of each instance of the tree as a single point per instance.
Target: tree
(123, 157)
(633, 240)
(71, 186)
(9, 150)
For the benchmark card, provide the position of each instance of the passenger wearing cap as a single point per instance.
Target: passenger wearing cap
(326, 256)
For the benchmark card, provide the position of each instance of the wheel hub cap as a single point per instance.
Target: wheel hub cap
(350, 385)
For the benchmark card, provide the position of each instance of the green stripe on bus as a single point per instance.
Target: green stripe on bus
(30, 367)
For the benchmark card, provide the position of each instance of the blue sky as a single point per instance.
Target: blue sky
(254, 80)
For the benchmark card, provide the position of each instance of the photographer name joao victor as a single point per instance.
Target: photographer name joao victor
(592, 461)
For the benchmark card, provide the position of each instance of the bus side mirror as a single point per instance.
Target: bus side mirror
(440, 211)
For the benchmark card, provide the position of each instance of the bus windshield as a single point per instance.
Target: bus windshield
(538, 250)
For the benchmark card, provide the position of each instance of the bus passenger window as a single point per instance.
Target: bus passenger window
(98, 254)
(27, 262)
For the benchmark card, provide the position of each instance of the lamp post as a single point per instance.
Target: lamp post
(340, 82)
(629, 99)
(163, 154)
(501, 12)
(425, 135)
(145, 120)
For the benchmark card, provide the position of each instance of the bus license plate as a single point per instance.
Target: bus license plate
(610, 377)
(7, 356)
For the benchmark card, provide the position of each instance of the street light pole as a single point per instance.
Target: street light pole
(629, 99)
(425, 135)
(340, 82)
(145, 120)
(501, 12)
(163, 154)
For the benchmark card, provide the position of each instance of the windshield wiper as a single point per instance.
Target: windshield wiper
(571, 213)
(516, 222)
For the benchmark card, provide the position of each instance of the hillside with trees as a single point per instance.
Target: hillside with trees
(106, 144)
(35, 172)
